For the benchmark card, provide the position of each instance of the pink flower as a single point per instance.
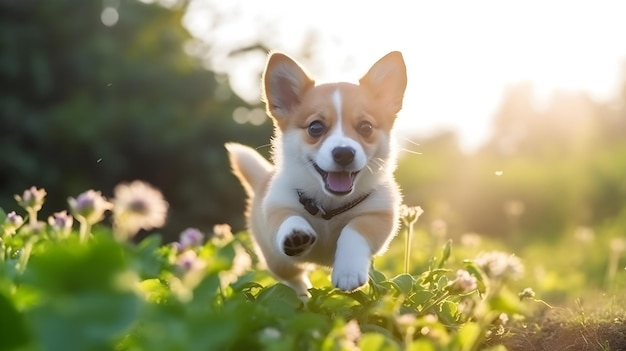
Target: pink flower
(190, 237)
(61, 222)
(32, 198)
(89, 206)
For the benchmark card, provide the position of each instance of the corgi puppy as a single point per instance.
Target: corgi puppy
(329, 198)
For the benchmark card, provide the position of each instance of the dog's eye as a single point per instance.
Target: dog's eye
(365, 129)
(316, 129)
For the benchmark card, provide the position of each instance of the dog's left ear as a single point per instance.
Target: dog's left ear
(387, 81)
(284, 82)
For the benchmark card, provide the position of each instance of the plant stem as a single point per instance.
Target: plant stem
(407, 247)
(85, 230)
(32, 216)
(611, 271)
(436, 302)
(25, 254)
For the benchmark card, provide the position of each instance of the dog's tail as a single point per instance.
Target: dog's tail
(252, 169)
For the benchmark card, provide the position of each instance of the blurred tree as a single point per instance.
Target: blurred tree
(95, 93)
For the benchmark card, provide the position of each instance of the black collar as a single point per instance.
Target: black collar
(311, 207)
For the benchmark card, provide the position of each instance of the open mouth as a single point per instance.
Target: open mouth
(339, 182)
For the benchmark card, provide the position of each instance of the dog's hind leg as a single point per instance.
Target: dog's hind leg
(296, 276)
(300, 284)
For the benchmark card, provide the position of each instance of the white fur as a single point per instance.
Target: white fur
(352, 260)
(337, 138)
(336, 98)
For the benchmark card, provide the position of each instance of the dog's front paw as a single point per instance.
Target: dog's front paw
(349, 275)
(352, 261)
(295, 236)
(349, 279)
(298, 242)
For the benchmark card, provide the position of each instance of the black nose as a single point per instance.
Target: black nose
(343, 155)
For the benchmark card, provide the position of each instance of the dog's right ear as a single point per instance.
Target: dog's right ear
(284, 82)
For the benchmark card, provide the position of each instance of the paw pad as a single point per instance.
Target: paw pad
(297, 242)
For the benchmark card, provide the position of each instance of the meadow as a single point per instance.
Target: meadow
(76, 281)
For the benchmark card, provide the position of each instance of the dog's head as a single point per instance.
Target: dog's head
(339, 133)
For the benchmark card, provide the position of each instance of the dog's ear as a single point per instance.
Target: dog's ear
(284, 82)
(386, 80)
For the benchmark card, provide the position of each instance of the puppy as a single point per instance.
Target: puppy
(330, 198)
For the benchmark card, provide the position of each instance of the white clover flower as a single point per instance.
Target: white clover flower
(270, 334)
(61, 222)
(502, 319)
(222, 231)
(514, 208)
(527, 293)
(471, 240)
(464, 283)
(137, 206)
(500, 265)
(439, 228)
(89, 206)
(352, 331)
(618, 245)
(410, 214)
(406, 320)
(584, 235)
(241, 263)
(31, 199)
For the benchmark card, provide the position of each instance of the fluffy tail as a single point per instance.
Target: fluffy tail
(252, 169)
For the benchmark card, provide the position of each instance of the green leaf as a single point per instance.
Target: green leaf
(13, 332)
(506, 301)
(86, 290)
(71, 267)
(377, 342)
(445, 254)
(280, 298)
(308, 323)
(88, 321)
(442, 283)
(421, 345)
(154, 290)
(338, 303)
(421, 297)
(377, 276)
(431, 275)
(206, 291)
(468, 336)
(403, 283)
(448, 312)
(148, 260)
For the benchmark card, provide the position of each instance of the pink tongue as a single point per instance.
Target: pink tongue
(340, 182)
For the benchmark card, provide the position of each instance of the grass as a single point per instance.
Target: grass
(599, 326)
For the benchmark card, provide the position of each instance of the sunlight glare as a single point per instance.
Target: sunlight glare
(460, 55)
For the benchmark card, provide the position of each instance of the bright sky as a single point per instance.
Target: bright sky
(460, 55)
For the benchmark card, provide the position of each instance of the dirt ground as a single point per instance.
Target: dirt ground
(555, 331)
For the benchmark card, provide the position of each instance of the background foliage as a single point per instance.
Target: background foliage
(84, 105)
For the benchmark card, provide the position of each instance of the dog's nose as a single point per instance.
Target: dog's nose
(343, 155)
